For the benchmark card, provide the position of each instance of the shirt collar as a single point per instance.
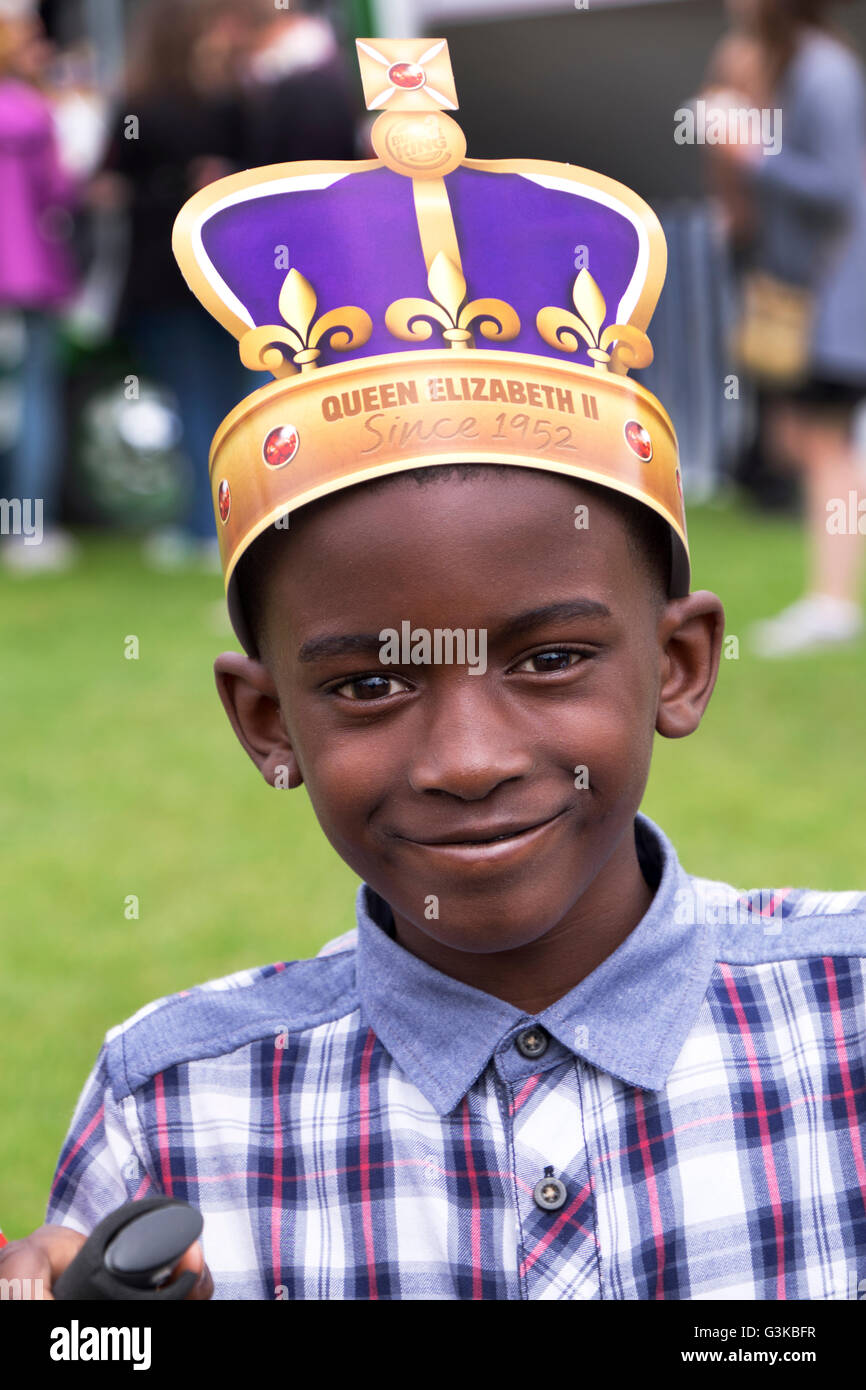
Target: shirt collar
(630, 1016)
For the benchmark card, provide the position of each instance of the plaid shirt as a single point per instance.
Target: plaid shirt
(359, 1125)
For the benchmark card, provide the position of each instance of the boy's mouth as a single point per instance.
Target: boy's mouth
(484, 839)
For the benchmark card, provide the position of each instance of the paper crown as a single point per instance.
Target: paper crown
(423, 308)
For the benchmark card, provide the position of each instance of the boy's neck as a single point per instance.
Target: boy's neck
(534, 976)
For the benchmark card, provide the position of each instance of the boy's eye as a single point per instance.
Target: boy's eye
(370, 687)
(556, 659)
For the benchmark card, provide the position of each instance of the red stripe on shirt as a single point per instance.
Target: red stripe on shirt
(776, 900)
(475, 1224)
(810, 1098)
(652, 1192)
(366, 1209)
(277, 1179)
(82, 1138)
(848, 1092)
(566, 1214)
(162, 1134)
(523, 1094)
(761, 1114)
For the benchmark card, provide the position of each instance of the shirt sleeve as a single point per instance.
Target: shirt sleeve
(826, 176)
(101, 1164)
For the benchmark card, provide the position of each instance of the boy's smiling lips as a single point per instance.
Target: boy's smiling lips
(496, 841)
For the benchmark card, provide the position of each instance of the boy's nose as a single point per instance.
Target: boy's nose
(467, 746)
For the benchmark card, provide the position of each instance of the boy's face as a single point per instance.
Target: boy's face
(412, 769)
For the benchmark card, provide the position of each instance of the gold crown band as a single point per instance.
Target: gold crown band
(301, 438)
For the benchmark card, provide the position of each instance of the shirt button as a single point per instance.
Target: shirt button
(549, 1192)
(532, 1042)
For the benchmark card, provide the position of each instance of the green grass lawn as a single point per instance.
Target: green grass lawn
(123, 777)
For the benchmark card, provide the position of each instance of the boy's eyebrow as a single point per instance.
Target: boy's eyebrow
(552, 613)
(319, 648)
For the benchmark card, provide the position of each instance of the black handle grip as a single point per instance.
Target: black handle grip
(131, 1251)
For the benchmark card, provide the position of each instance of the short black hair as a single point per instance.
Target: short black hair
(648, 536)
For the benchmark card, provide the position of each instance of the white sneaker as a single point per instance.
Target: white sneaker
(54, 553)
(811, 623)
(209, 556)
(168, 549)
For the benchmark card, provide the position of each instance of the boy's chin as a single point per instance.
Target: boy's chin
(490, 926)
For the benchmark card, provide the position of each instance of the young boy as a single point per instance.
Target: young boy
(547, 1062)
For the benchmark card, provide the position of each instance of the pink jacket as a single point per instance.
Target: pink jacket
(35, 267)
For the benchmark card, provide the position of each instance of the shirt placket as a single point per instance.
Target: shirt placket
(557, 1238)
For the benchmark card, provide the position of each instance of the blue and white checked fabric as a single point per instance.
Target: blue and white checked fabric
(361, 1126)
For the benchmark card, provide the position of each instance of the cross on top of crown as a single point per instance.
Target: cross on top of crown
(406, 74)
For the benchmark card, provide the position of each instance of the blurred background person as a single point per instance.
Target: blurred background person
(797, 218)
(177, 126)
(37, 279)
(211, 87)
(300, 100)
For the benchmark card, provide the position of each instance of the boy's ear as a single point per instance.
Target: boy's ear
(691, 632)
(252, 704)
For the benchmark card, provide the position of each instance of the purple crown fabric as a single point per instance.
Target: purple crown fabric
(357, 243)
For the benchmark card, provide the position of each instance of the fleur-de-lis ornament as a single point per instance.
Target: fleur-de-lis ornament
(410, 318)
(283, 351)
(562, 329)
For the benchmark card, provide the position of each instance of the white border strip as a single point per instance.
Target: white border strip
(300, 184)
(638, 279)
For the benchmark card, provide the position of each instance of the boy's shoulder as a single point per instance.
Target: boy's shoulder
(221, 1015)
(762, 925)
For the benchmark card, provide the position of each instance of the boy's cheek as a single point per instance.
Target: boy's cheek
(344, 793)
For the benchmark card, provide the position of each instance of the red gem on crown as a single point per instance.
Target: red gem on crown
(409, 76)
(224, 501)
(638, 440)
(280, 446)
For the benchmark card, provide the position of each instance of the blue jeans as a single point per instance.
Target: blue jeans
(37, 454)
(182, 348)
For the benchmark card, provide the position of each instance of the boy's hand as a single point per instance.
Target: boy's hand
(40, 1259)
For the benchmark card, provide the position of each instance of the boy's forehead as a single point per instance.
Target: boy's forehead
(445, 536)
(453, 488)
(447, 506)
